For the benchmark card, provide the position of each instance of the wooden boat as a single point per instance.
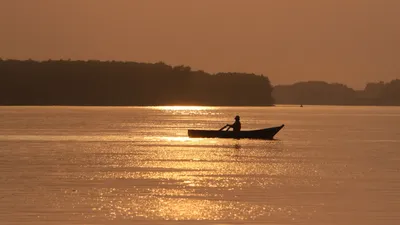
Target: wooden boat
(267, 133)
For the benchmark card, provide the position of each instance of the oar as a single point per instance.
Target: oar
(223, 128)
(229, 127)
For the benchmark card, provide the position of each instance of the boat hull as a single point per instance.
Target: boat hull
(267, 133)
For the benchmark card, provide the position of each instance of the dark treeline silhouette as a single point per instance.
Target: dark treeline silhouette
(381, 93)
(322, 93)
(125, 83)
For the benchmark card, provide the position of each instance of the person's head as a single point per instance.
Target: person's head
(237, 118)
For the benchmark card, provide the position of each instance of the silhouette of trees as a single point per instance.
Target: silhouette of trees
(314, 93)
(390, 93)
(322, 93)
(60, 82)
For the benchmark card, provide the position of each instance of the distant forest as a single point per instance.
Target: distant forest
(111, 83)
(322, 93)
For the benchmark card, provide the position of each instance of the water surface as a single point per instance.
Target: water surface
(136, 165)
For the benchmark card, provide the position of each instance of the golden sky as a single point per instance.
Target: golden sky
(347, 41)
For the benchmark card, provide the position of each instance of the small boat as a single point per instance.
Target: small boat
(267, 133)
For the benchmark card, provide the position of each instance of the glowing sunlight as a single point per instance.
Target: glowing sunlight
(179, 108)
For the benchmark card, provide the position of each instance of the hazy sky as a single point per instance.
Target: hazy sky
(348, 41)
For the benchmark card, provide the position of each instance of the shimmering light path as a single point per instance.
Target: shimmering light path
(106, 165)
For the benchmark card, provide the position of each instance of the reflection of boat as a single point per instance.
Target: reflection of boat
(267, 133)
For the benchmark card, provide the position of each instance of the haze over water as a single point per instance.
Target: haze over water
(136, 165)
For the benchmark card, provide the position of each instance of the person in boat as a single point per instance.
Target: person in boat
(236, 125)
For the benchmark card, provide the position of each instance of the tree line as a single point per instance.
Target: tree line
(322, 93)
(66, 82)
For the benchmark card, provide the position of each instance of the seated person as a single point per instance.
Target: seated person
(236, 125)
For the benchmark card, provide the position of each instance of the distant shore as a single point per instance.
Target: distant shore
(322, 93)
(99, 83)
(111, 83)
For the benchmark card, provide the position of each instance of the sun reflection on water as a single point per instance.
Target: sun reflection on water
(205, 180)
(178, 108)
(187, 110)
(177, 139)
